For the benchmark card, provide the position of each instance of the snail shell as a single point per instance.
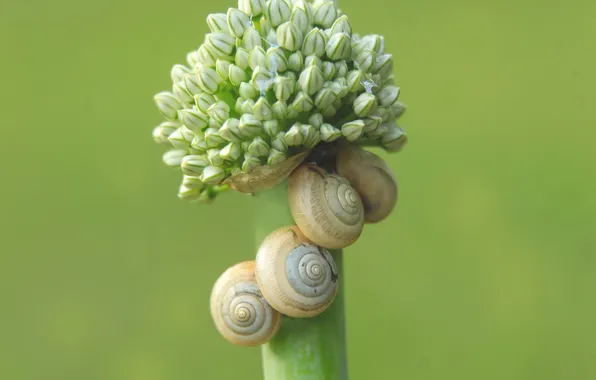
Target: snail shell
(265, 176)
(239, 311)
(372, 178)
(297, 278)
(325, 207)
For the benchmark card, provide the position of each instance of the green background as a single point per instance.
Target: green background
(487, 270)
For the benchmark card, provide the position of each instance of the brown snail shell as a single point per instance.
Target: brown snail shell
(325, 207)
(371, 177)
(241, 314)
(296, 277)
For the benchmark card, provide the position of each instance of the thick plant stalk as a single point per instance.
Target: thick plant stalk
(309, 348)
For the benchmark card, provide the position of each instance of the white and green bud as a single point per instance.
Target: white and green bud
(250, 162)
(221, 42)
(192, 182)
(313, 60)
(271, 127)
(207, 56)
(252, 7)
(220, 111)
(199, 144)
(365, 60)
(316, 120)
(296, 61)
(342, 25)
(195, 120)
(275, 157)
(396, 110)
(186, 193)
(329, 70)
(314, 43)
(388, 95)
(280, 110)
(371, 123)
(261, 79)
(173, 157)
(278, 12)
(355, 79)
(329, 112)
(292, 113)
(379, 132)
(208, 80)
(262, 110)
(395, 139)
(249, 126)
(212, 175)
(340, 87)
(257, 57)
(341, 69)
(193, 58)
(241, 58)
(192, 84)
(231, 131)
(271, 38)
(329, 133)
(294, 136)
(383, 65)
(238, 22)
(237, 75)
(178, 72)
(302, 103)
(247, 91)
(276, 60)
(167, 104)
(181, 93)
(239, 103)
(279, 142)
(214, 158)
(370, 42)
(283, 87)
(252, 39)
(213, 139)
(194, 165)
(231, 152)
(182, 137)
(325, 14)
(339, 47)
(353, 130)
(222, 67)
(325, 98)
(365, 104)
(203, 101)
(311, 135)
(381, 112)
(247, 106)
(301, 18)
(338, 103)
(258, 147)
(289, 36)
(311, 80)
(164, 130)
(218, 22)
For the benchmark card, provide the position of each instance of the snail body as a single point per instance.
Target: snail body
(372, 178)
(296, 277)
(325, 207)
(241, 314)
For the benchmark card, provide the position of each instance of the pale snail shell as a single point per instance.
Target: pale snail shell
(266, 176)
(241, 314)
(325, 207)
(296, 277)
(374, 180)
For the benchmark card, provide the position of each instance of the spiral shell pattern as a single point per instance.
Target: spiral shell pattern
(298, 278)
(239, 311)
(325, 207)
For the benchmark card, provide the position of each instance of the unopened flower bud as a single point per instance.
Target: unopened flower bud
(342, 25)
(294, 136)
(252, 7)
(276, 60)
(181, 93)
(341, 69)
(365, 104)
(192, 58)
(204, 101)
(231, 130)
(207, 55)
(379, 132)
(241, 58)
(289, 36)
(231, 152)
(214, 158)
(252, 39)
(223, 69)
(396, 110)
(275, 157)
(218, 22)
(178, 72)
(164, 130)
(355, 79)
(247, 91)
(221, 42)
(237, 75)
(365, 60)
(296, 61)
(220, 111)
(194, 165)
(395, 139)
(261, 79)
(181, 138)
(353, 130)
(212, 175)
(199, 144)
(168, 105)
(192, 182)
(208, 80)
(316, 120)
(329, 71)
(311, 80)
(302, 103)
(325, 14)
(258, 147)
(249, 125)
(250, 162)
(329, 112)
(186, 193)
(262, 110)
(280, 109)
(279, 142)
(257, 57)
(383, 65)
(300, 18)
(195, 120)
(329, 133)
(283, 87)
(371, 123)
(388, 95)
(313, 60)
(324, 98)
(339, 47)
(278, 12)
(311, 135)
(370, 42)
(212, 138)
(238, 21)
(314, 43)
(247, 106)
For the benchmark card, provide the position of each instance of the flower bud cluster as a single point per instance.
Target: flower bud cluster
(273, 78)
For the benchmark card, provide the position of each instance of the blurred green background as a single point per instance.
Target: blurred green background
(486, 271)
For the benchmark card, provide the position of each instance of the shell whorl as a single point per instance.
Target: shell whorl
(298, 278)
(325, 207)
(240, 312)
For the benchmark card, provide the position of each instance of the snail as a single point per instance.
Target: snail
(325, 207)
(239, 311)
(371, 177)
(296, 277)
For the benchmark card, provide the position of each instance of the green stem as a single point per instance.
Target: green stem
(308, 348)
